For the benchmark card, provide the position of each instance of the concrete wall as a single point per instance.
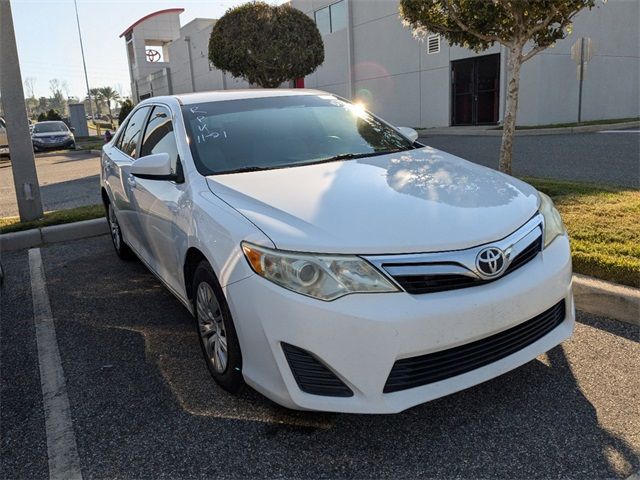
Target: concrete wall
(164, 28)
(392, 73)
(549, 85)
(399, 81)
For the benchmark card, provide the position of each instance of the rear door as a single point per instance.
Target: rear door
(159, 202)
(117, 174)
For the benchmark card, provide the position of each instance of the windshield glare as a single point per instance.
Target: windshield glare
(278, 132)
(50, 128)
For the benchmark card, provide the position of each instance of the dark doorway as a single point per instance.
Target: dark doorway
(475, 90)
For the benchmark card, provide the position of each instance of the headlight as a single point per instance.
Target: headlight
(325, 277)
(553, 225)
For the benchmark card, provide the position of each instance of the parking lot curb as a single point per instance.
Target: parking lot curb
(607, 299)
(493, 132)
(591, 295)
(53, 234)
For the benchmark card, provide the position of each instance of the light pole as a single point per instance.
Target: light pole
(84, 63)
(23, 164)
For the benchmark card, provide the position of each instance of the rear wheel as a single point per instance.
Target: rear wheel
(216, 330)
(122, 249)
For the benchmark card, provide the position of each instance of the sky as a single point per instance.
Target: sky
(48, 46)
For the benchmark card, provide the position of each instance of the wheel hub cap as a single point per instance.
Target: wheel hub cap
(115, 228)
(211, 327)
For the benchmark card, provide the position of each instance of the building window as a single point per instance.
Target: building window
(433, 44)
(332, 18)
(323, 20)
(338, 16)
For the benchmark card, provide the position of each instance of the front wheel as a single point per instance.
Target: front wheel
(216, 330)
(122, 249)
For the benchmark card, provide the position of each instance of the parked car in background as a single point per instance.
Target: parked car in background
(331, 261)
(4, 143)
(51, 136)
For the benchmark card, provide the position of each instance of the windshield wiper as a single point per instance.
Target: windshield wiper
(353, 156)
(244, 169)
(336, 158)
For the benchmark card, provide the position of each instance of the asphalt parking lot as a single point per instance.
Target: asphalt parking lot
(71, 179)
(142, 404)
(609, 157)
(67, 179)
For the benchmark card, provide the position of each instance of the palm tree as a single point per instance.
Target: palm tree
(108, 94)
(97, 96)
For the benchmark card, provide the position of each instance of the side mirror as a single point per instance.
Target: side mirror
(153, 167)
(73, 129)
(409, 133)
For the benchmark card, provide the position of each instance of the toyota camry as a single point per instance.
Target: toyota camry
(331, 261)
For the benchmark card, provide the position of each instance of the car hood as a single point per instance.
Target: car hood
(422, 200)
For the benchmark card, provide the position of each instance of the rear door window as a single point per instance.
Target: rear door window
(129, 140)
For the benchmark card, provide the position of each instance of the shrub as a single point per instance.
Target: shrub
(266, 45)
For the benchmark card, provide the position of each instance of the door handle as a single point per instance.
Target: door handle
(131, 181)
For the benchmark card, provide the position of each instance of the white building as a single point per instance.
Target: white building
(369, 55)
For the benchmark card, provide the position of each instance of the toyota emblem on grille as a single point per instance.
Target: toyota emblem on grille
(491, 261)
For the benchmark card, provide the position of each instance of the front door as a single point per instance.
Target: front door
(475, 84)
(159, 203)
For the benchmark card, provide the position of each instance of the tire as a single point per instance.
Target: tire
(121, 248)
(216, 330)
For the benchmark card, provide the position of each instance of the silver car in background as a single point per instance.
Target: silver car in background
(52, 135)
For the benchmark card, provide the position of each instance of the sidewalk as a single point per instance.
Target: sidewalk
(495, 131)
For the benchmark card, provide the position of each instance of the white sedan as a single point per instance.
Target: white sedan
(331, 261)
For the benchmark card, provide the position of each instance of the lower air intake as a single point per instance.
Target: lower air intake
(433, 367)
(312, 376)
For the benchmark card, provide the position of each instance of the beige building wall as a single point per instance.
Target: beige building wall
(375, 59)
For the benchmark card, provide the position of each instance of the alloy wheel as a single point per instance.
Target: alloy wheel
(211, 327)
(114, 227)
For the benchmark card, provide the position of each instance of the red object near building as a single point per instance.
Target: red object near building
(298, 83)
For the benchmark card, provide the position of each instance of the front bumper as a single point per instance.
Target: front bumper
(41, 146)
(359, 337)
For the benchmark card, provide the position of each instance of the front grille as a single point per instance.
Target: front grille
(433, 367)
(525, 256)
(312, 376)
(419, 284)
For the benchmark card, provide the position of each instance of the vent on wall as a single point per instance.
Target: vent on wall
(433, 44)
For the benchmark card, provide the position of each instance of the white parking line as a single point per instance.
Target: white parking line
(62, 450)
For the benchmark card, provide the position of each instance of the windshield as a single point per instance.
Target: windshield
(276, 132)
(50, 128)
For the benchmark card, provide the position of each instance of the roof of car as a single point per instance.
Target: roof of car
(222, 95)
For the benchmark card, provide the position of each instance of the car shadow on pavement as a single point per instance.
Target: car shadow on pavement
(533, 422)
